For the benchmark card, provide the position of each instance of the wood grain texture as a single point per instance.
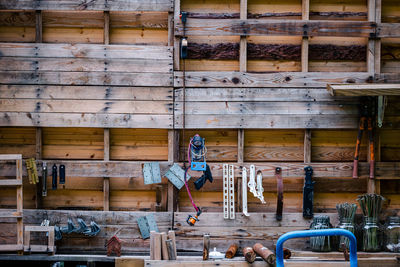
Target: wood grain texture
(102, 5)
(223, 27)
(283, 79)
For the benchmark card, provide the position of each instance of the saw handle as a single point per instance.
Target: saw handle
(54, 177)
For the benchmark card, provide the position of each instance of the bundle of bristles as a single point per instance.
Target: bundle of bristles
(346, 211)
(371, 204)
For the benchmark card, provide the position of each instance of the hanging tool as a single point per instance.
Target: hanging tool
(207, 175)
(252, 180)
(229, 191)
(367, 112)
(114, 245)
(32, 171)
(54, 177)
(184, 42)
(260, 189)
(197, 153)
(244, 192)
(70, 228)
(308, 193)
(191, 220)
(62, 174)
(44, 179)
(279, 189)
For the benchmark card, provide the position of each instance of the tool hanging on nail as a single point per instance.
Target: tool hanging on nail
(184, 42)
(44, 179)
(54, 177)
(308, 194)
(32, 171)
(62, 174)
(367, 121)
(279, 187)
(244, 192)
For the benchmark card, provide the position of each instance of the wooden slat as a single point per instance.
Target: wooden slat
(106, 29)
(85, 106)
(11, 247)
(85, 120)
(388, 30)
(39, 27)
(10, 157)
(83, 78)
(363, 89)
(95, 169)
(115, 5)
(10, 214)
(10, 182)
(85, 51)
(84, 65)
(222, 27)
(227, 121)
(243, 94)
(283, 79)
(55, 92)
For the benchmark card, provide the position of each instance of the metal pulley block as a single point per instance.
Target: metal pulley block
(252, 181)
(260, 189)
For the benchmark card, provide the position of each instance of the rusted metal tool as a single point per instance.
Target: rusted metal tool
(249, 254)
(265, 253)
(114, 245)
(279, 205)
(231, 251)
(367, 112)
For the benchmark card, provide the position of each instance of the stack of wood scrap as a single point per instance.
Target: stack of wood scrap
(162, 246)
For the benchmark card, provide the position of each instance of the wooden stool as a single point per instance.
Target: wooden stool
(50, 248)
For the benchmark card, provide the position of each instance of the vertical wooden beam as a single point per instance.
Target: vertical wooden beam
(307, 146)
(20, 203)
(177, 57)
(305, 15)
(106, 36)
(173, 156)
(38, 153)
(106, 180)
(371, 42)
(39, 27)
(243, 39)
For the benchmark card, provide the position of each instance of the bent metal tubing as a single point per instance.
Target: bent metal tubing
(310, 233)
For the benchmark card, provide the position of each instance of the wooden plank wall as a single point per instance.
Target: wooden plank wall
(100, 85)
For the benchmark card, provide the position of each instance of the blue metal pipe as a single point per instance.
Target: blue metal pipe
(310, 233)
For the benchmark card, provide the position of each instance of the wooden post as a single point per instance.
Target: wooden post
(305, 15)
(39, 27)
(170, 248)
(206, 247)
(307, 146)
(173, 156)
(177, 57)
(38, 150)
(243, 39)
(171, 235)
(106, 180)
(164, 249)
(106, 36)
(20, 204)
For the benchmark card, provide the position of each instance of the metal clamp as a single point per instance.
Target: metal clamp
(260, 189)
(252, 181)
(229, 191)
(225, 190)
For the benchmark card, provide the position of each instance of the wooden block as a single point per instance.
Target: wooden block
(164, 248)
(157, 246)
(171, 235)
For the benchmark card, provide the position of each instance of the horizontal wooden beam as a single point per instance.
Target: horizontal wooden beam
(250, 121)
(110, 93)
(86, 106)
(38, 119)
(86, 78)
(276, 51)
(388, 30)
(39, 50)
(305, 28)
(133, 169)
(78, 5)
(278, 79)
(363, 89)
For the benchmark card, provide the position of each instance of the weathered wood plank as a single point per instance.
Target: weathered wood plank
(363, 89)
(84, 64)
(265, 108)
(225, 121)
(133, 169)
(85, 51)
(388, 30)
(86, 78)
(17, 18)
(101, 5)
(85, 106)
(85, 120)
(255, 95)
(222, 27)
(54, 92)
(282, 79)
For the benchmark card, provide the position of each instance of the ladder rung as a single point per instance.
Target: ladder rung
(10, 214)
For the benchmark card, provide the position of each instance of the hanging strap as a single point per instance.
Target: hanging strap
(279, 188)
